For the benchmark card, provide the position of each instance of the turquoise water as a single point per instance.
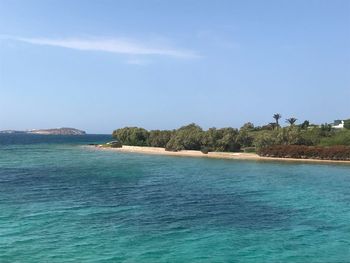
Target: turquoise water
(61, 202)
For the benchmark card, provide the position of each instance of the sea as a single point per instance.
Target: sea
(61, 201)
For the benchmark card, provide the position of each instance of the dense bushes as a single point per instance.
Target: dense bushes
(132, 136)
(249, 149)
(205, 150)
(347, 124)
(193, 137)
(266, 138)
(158, 138)
(306, 152)
(294, 135)
(189, 137)
(339, 138)
(221, 140)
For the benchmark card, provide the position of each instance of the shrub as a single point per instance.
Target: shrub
(249, 149)
(339, 138)
(306, 152)
(266, 139)
(347, 124)
(221, 140)
(244, 138)
(158, 138)
(114, 144)
(305, 125)
(205, 150)
(186, 138)
(227, 143)
(132, 136)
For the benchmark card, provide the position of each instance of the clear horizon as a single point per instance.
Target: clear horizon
(101, 65)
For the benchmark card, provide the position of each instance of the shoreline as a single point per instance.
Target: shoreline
(214, 155)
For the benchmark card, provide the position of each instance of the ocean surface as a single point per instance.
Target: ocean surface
(62, 202)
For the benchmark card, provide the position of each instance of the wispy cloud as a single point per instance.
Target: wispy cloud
(113, 45)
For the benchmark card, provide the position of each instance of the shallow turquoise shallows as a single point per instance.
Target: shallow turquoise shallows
(62, 202)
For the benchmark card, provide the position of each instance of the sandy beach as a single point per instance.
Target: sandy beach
(217, 155)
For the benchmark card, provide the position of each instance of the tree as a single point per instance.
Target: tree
(272, 125)
(188, 137)
(210, 138)
(347, 124)
(277, 116)
(132, 136)
(291, 120)
(305, 124)
(159, 138)
(247, 126)
(228, 142)
(326, 127)
(221, 140)
(266, 139)
(290, 135)
(244, 137)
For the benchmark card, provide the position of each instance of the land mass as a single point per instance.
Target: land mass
(304, 141)
(56, 131)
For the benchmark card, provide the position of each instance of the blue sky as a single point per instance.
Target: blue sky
(100, 65)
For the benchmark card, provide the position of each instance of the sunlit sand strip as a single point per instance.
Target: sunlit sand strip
(217, 155)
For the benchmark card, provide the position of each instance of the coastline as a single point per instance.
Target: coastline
(214, 155)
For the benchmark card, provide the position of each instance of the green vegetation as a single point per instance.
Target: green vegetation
(307, 152)
(132, 136)
(341, 137)
(248, 138)
(189, 137)
(186, 138)
(158, 138)
(291, 121)
(347, 124)
(277, 116)
(112, 144)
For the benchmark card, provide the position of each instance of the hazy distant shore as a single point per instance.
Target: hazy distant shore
(55, 131)
(217, 155)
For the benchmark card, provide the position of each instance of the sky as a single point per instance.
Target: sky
(160, 64)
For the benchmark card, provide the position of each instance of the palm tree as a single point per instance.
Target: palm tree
(277, 116)
(291, 121)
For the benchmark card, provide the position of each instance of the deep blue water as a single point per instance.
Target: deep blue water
(62, 202)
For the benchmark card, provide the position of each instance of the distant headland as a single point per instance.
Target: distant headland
(56, 131)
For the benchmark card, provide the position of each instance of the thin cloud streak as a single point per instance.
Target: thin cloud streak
(115, 45)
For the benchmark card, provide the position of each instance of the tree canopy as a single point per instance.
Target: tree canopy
(193, 137)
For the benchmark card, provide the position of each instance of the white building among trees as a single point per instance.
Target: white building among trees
(338, 124)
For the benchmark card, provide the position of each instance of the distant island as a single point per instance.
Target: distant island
(56, 131)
